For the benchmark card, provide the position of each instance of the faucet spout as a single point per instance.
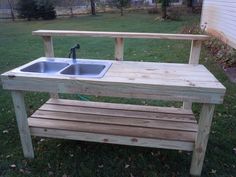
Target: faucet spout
(73, 52)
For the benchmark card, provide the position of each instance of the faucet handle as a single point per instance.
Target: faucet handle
(77, 46)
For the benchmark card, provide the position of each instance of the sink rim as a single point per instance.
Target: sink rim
(70, 62)
(106, 65)
(52, 73)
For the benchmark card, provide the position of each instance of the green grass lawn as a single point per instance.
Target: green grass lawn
(74, 158)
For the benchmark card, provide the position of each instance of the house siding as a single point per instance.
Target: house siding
(219, 19)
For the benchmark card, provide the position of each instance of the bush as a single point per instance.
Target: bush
(35, 9)
(27, 9)
(46, 9)
(175, 13)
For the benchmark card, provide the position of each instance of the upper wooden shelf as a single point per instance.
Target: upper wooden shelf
(149, 80)
(120, 34)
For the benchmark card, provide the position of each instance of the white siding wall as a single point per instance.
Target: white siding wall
(219, 19)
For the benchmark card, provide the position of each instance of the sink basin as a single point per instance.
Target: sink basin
(45, 67)
(79, 68)
(95, 69)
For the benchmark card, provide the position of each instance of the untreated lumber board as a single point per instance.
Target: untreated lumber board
(73, 118)
(119, 34)
(193, 59)
(175, 82)
(124, 114)
(112, 139)
(49, 52)
(21, 118)
(200, 146)
(119, 49)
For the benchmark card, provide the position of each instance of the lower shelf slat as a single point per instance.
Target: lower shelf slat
(115, 123)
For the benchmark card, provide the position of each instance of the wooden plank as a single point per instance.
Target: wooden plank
(118, 106)
(49, 52)
(195, 52)
(118, 112)
(202, 139)
(150, 73)
(194, 59)
(129, 89)
(116, 120)
(177, 135)
(119, 34)
(119, 49)
(21, 117)
(112, 139)
(48, 46)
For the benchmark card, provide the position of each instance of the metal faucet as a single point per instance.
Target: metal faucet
(73, 52)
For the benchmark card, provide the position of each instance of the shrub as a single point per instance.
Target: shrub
(27, 9)
(35, 9)
(175, 13)
(46, 9)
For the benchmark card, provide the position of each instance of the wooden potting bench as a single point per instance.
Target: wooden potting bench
(148, 126)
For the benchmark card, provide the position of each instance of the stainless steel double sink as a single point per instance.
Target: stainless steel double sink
(80, 68)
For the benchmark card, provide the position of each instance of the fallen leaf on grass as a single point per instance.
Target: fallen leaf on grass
(5, 131)
(50, 173)
(213, 171)
(127, 166)
(100, 166)
(13, 166)
(234, 150)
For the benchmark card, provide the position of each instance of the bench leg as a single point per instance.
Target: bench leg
(187, 105)
(21, 117)
(199, 151)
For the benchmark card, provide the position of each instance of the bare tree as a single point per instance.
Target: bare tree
(12, 11)
(121, 4)
(164, 5)
(93, 7)
(70, 4)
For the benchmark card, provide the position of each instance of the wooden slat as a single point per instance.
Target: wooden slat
(115, 106)
(116, 120)
(113, 129)
(103, 118)
(112, 139)
(119, 34)
(124, 113)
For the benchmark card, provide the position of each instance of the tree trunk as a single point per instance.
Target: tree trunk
(121, 11)
(164, 5)
(93, 8)
(71, 12)
(12, 12)
(190, 3)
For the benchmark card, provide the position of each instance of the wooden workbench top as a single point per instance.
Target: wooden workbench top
(168, 80)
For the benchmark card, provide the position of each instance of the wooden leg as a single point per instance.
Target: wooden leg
(54, 95)
(49, 52)
(119, 49)
(21, 117)
(187, 105)
(199, 151)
